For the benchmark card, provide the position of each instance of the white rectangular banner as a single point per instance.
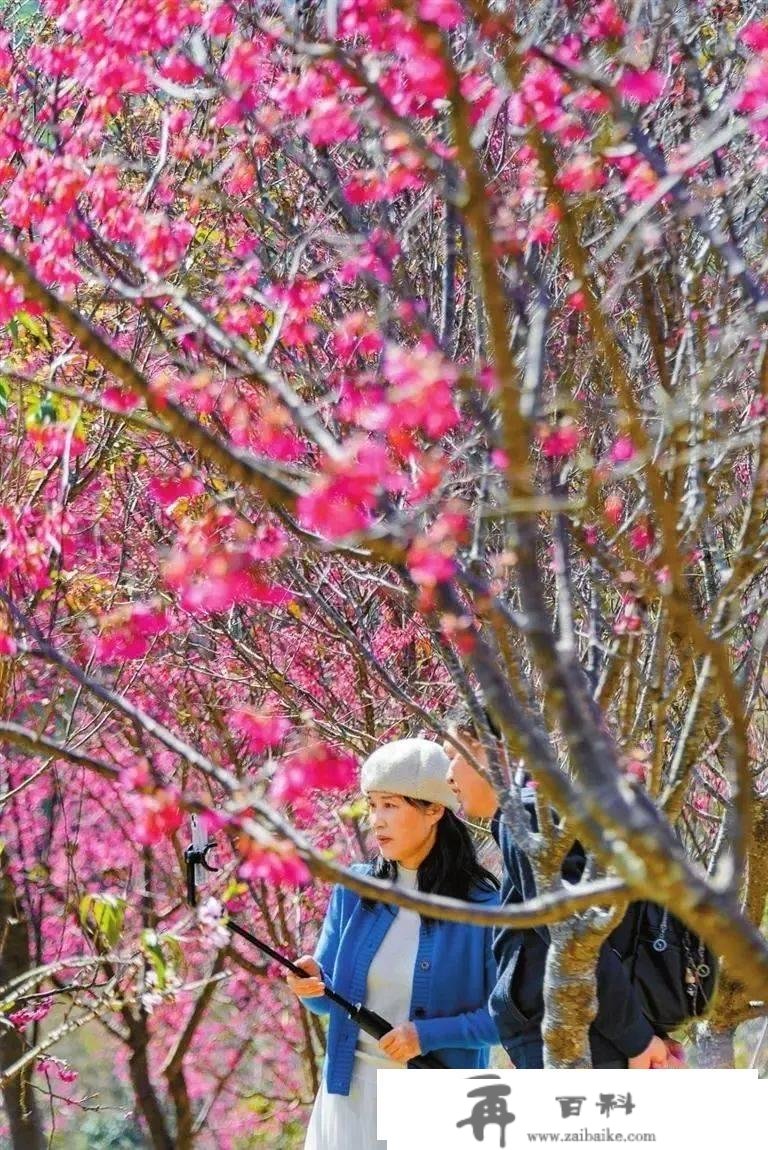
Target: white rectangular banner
(511, 1109)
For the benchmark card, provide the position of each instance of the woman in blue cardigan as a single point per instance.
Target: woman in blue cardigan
(431, 979)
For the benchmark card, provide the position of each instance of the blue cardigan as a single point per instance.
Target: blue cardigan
(452, 981)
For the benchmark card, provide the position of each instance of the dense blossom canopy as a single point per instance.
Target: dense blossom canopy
(359, 357)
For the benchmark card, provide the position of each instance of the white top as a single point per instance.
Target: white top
(390, 975)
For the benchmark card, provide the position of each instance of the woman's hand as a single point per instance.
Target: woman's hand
(654, 1057)
(307, 987)
(401, 1043)
(676, 1052)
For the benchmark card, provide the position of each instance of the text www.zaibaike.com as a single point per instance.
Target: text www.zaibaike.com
(586, 1135)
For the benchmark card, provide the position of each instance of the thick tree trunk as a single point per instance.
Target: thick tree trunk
(141, 1081)
(177, 1088)
(570, 995)
(26, 1130)
(174, 1066)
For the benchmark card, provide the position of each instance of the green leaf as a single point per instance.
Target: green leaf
(234, 890)
(152, 946)
(108, 914)
(175, 953)
(260, 1104)
(35, 328)
(357, 809)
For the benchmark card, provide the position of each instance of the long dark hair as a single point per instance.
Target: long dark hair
(451, 868)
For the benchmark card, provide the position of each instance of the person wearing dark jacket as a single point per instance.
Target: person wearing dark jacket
(620, 1036)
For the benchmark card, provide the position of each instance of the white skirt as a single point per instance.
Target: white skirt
(348, 1121)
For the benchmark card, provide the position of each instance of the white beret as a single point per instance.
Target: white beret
(416, 768)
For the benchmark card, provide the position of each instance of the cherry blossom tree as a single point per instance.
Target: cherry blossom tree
(358, 359)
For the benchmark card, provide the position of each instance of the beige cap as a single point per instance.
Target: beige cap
(416, 768)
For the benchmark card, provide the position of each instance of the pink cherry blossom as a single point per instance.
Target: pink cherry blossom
(560, 442)
(356, 334)
(56, 440)
(267, 542)
(331, 122)
(421, 80)
(317, 767)
(11, 298)
(575, 300)
(755, 35)
(613, 509)
(127, 633)
(32, 1012)
(181, 69)
(445, 13)
(582, 174)
(374, 258)
(543, 227)
(344, 499)
(641, 87)
(63, 1071)
(623, 449)
(641, 537)
(219, 20)
(543, 91)
(169, 489)
(591, 102)
(636, 768)
(161, 243)
(641, 182)
(119, 400)
(421, 392)
(629, 619)
(430, 564)
(12, 542)
(604, 22)
(212, 568)
(461, 632)
(275, 867)
(8, 647)
(159, 815)
(228, 586)
(260, 731)
(299, 299)
(258, 212)
(245, 64)
(753, 98)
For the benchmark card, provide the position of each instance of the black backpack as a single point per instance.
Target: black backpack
(673, 971)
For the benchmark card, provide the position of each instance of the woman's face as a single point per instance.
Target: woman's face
(404, 833)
